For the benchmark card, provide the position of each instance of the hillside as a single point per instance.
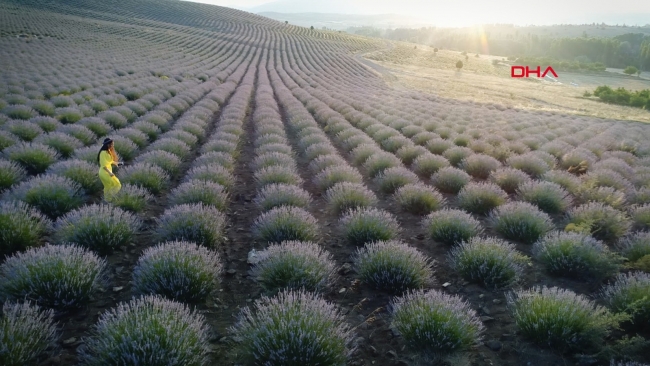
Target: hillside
(261, 156)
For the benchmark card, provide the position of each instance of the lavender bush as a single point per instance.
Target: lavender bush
(345, 195)
(200, 191)
(418, 199)
(100, 228)
(521, 222)
(366, 225)
(178, 270)
(197, 223)
(276, 195)
(26, 332)
(60, 277)
(576, 255)
(293, 328)
(285, 223)
(480, 198)
(489, 261)
(393, 266)
(630, 293)
(131, 334)
(51, 194)
(294, 265)
(451, 226)
(436, 323)
(560, 318)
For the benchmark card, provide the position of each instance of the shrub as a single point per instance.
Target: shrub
(68, 115)
(281, 148)
(151, 130)
(480, 198)
(178, 270)
(521, 222)
(601, 221)
(575, 255)
(200, 191)
(366, 225)
(273, 159)
(392, 179)
(51, 194)
(133, 333)
(34, 157)
(640, 215)
(276, 195)
(489, 261)
(317, 150)
(19, 112)
(362, 152)
(140, 139)
(7, 139)
(345, 195)
(184, 136)
(509, 179)
(25, 130)
(559, 318)
(145, 175)
(277, 174)
(21, 227)
(325, 161)
(124, 148)
(132, 198)
(438, 146)
(457, 154)
(10, 174)
(212, 173)
(335, 174)
(62, 101)
(61, 277)
(636, 246)
(433, 322)
(606, 195)
(418, 199)
(393, 266)
(630, 293)
(25, 333)
(96, 125)
(428, 164)
(377, 163)
(196, 222)
(409, 153)
(566, 180)
(294, 265)
(451, 226)
(101, 228)
(47, 124)
(78, 171)
(577, 157)
(168, 162)
(43, 107)
(547, 196)
(172, 145)
(293, 328)
(285, 223)
(530, 164)
(215, 157)
(64, 144)
(79, 132)
(479, 165)
(450, 179)
(607, 178)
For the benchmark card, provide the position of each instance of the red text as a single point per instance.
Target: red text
(525, 71)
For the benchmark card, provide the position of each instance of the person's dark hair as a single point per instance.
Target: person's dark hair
(105, 145)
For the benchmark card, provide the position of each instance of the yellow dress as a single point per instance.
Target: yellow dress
(112, 185)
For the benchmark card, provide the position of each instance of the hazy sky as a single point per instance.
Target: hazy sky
(467, 12)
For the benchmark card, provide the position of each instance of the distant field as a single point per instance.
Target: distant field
(481, 81)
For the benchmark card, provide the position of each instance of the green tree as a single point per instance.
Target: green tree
(630, 70)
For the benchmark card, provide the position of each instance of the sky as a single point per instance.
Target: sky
(468, 12)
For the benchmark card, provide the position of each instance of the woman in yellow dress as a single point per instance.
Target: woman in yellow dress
(106, 158)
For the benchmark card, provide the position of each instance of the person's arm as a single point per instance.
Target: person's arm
(109, 172)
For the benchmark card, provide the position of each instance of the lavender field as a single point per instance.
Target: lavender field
(282, 205)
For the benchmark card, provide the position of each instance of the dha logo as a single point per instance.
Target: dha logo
(524, 72)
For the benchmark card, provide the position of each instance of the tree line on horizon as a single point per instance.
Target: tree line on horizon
(630, 49)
